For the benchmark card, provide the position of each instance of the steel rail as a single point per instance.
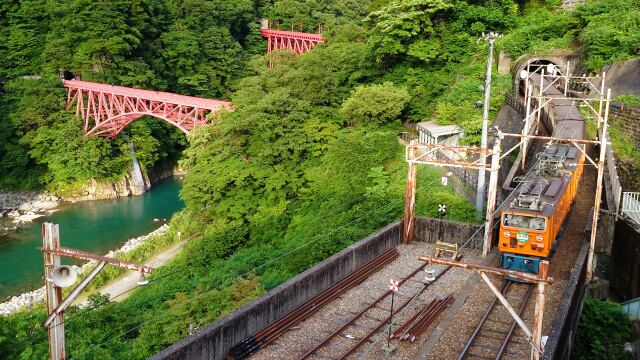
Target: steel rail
(327, 296)
(505, 341)
(523, 304)
(427, 320)
(252, 343)
(475, 333)
(362, 312)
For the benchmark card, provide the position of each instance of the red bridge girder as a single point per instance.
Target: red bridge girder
(298, 42)
(107, 109)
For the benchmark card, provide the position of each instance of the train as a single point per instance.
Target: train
(531, 218)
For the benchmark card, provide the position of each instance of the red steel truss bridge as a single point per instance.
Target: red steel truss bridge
(297, 41)
(107, 109)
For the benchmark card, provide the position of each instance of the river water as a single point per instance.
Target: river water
(94, 226)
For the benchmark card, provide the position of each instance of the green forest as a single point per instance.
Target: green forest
(308, 163)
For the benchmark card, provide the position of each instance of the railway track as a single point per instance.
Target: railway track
(344, 341)
(491, 337)
(266, 336)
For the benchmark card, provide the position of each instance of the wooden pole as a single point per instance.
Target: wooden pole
(51, 241)
(410, 201)
(596, 205)
(512, 312)
(542, 278)
(491, 197)
(487, 269)
(538, 315)
(74, 293)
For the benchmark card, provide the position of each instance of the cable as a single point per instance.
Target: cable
(313, 240)
(154, 279)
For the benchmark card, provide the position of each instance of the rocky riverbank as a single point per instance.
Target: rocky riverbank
(31, 298)
(20, 207)
(24, 206)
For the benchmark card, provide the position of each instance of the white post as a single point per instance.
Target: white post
(485, 125)
(601, 99)
(525, 130)
(491, 199)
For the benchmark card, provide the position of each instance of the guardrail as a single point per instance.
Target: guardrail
(632, 309)
(631, 205)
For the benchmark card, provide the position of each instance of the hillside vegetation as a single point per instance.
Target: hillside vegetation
(307, 164)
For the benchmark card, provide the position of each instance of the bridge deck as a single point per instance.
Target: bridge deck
(159, 96)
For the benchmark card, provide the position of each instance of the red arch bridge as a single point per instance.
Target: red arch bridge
(107, 109)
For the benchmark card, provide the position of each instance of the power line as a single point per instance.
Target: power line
(167, 275)
(313, 240)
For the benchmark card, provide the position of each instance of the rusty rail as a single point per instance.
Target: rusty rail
(266, 336)
(506, 287)
(384, 321)
(418, 323)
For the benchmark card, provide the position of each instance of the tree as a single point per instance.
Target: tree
(375, 104)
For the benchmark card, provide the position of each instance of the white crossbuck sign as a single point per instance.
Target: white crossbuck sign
(393, 285)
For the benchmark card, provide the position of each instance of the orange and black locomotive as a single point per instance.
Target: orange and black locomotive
(531, 218)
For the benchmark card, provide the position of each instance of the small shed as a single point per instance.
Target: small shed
(433, 133)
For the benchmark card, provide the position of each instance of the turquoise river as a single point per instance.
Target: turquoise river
(94, 226)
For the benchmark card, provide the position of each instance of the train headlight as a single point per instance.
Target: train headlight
(507, 233)
(539, 237)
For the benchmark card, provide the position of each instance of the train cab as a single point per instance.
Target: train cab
(523, 240)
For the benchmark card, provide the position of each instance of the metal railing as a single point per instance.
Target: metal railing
(632, 309)
(631, 205)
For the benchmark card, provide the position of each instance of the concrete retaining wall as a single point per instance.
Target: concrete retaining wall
(215, 340)
(624, 271)
(565, 325)
(430, 230)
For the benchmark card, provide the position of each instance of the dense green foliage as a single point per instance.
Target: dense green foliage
(308, 163)
(605, 31)
(194, 48)
(602, 331)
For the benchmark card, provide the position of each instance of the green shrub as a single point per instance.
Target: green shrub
(602, 331)
(375, 104)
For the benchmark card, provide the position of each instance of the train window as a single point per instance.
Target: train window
(524, 221)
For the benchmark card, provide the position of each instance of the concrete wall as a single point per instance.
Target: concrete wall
(215, 340)
(430, 230)
(625, 261)
(565, 325)
(623, 77)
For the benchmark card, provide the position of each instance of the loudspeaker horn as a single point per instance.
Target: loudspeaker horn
(64, 276)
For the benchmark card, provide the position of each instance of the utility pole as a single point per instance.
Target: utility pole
(61, 276)
(50, 242)
(485, 120)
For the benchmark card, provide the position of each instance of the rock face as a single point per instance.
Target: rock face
(21, 207)
(29, 299)
(94, 190)
(24, 206)
(126, 186)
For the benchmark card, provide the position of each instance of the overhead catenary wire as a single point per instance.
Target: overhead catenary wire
(178, 271)
(237, 277)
